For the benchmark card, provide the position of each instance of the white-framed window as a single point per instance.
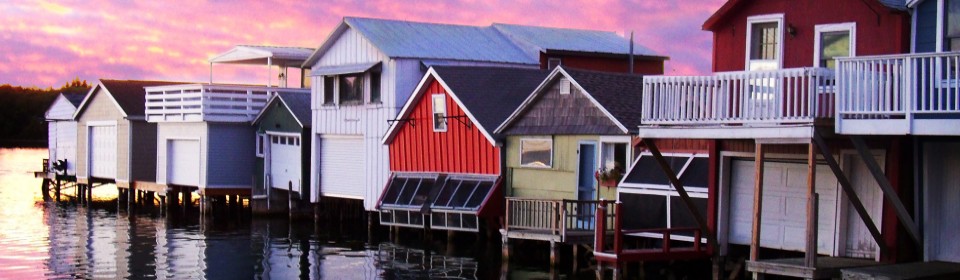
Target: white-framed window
(646, 189)
(536, 152)
(439, 104)
(614, 157)
(833, 41)
(261, 144)
(352, 89)
(564, 86)
(764, 42)
(329, 88)
(553, 62)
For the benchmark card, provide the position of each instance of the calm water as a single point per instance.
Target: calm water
(63, 240)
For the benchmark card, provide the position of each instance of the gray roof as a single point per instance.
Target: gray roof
(74, 98)
(257, 55)
(573, 40)
(299, 105)
(895, 4)
(618, 93)
(502, 43)
(130, 94)
(491, 94)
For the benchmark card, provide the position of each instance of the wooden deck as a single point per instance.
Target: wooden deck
(559, 221)
(571, 236)
(919, 270)
(825, 268)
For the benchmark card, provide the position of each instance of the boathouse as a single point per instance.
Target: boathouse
(574, 126)
(115, 143)
(205, 140)
(62, 135)
(446, 163)
(367, 69)
(282, 157)
(791, 196)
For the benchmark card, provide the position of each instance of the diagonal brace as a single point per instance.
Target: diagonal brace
(888, 191)
(848, 190)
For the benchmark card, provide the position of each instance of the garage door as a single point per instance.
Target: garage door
(285, 162)
(103, 151)
(183, 162)
(784, 206)
(342, 167)
(942, 188)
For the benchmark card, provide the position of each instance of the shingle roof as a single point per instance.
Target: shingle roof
(491, 94)
(74, 98)
(130, 94)
(299, 104)
(503, 43)
(618, 93)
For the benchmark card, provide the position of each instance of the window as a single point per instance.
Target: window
(646, 189)
(833, 41)
(763, 41)
(951, 28)
(439, 112)
(553, 62)
(261, 142)
(350, 88)
(375, 87)
(614, 159)
(536, 152)
(328, 89)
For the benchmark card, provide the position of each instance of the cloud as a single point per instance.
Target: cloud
(46, 44)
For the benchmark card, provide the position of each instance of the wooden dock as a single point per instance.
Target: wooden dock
(825, 267)
(918, 270)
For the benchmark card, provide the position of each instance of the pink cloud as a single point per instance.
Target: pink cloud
(160, 40)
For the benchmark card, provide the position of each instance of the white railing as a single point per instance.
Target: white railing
(208, 102)
(788, 96)
(898, 86)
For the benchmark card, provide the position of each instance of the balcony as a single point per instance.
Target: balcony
(903, 94)
(729, 105)
(564, 221)
(208, 102)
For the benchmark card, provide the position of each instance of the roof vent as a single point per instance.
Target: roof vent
(564, 86)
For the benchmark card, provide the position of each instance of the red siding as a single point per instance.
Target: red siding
(880, 32)
(644, 66)
(461, 149)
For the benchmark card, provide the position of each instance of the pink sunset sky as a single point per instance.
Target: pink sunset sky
(47, 44)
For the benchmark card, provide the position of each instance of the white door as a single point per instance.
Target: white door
(183, 162)
(102, 151)
(285, 162)
(858, 242)
(342, 171)
(942, 185)
(784, 206)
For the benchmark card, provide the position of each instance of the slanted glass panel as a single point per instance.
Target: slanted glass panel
(449, 187)
(406, 195)
(438, 219)
(463, 193)
(423, 193)
(653, 207)
(480, 194)
(386, 217)
(680, 216)
(393, 191)
(648, 172)
(696, 173)
(469, 221)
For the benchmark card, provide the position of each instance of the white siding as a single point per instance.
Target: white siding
(63, 135)
(60, 109)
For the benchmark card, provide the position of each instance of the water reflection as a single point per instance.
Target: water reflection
(102, 240)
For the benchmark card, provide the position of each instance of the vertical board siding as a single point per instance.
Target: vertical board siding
(417, 148)
(62, 133)
(143, 161)
(925, 39)
(193, 131)
(228, 155)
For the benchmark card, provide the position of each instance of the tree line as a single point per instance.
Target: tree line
(22, 109)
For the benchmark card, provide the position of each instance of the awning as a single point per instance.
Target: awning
(258, 55)
(452, 201)
(344, 69)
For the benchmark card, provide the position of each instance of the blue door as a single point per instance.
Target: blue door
(586, 183)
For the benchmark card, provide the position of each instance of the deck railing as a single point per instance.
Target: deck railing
(556, 217)
(899, 86)
(796, 95)
(208, 102)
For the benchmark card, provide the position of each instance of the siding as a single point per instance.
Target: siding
(169, 130)
(61, 109)
(229, 151)
(62, 137)
(417, 148)
(278, 118)
(143, 161)
(926, 26)
(606, 64)
(556, 182)
(100, 107)
(553, 113)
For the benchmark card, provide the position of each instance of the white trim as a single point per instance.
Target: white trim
(433, 112)
(87, 98)
(279, 133)
(779, 19)
(520, 150)
(261, 143)
(596, 163)
(941, 15)
(340, 136)
(913, 30)
(605, 139)
(666, 194)
(102, 123)
(342, 196)
(679, 173)
(850, 27)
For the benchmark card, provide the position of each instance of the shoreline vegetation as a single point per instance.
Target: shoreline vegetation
(22, 109)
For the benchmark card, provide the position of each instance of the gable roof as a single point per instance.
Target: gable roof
(297, 103)
(730, 5)
(617, 95)
(502, 43)
(486, 94)
(128, 95)
(74, 98)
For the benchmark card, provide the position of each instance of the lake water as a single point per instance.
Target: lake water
(100, 241)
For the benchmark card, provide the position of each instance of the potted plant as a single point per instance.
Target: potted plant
(610, 177)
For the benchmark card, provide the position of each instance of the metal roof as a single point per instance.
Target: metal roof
(573, 40)
(247, 54)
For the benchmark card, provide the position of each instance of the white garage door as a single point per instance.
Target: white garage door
(784, 206)
(285, 162)
(183, 162)
(942, 188)
(341, 167)
(102, 148)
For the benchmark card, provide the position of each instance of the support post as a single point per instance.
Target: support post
(187, 200)
(810, 257)
(45, 189)
(56, 192)
(757, 203)
(888, 191)
(554, 255)
(848, 190)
